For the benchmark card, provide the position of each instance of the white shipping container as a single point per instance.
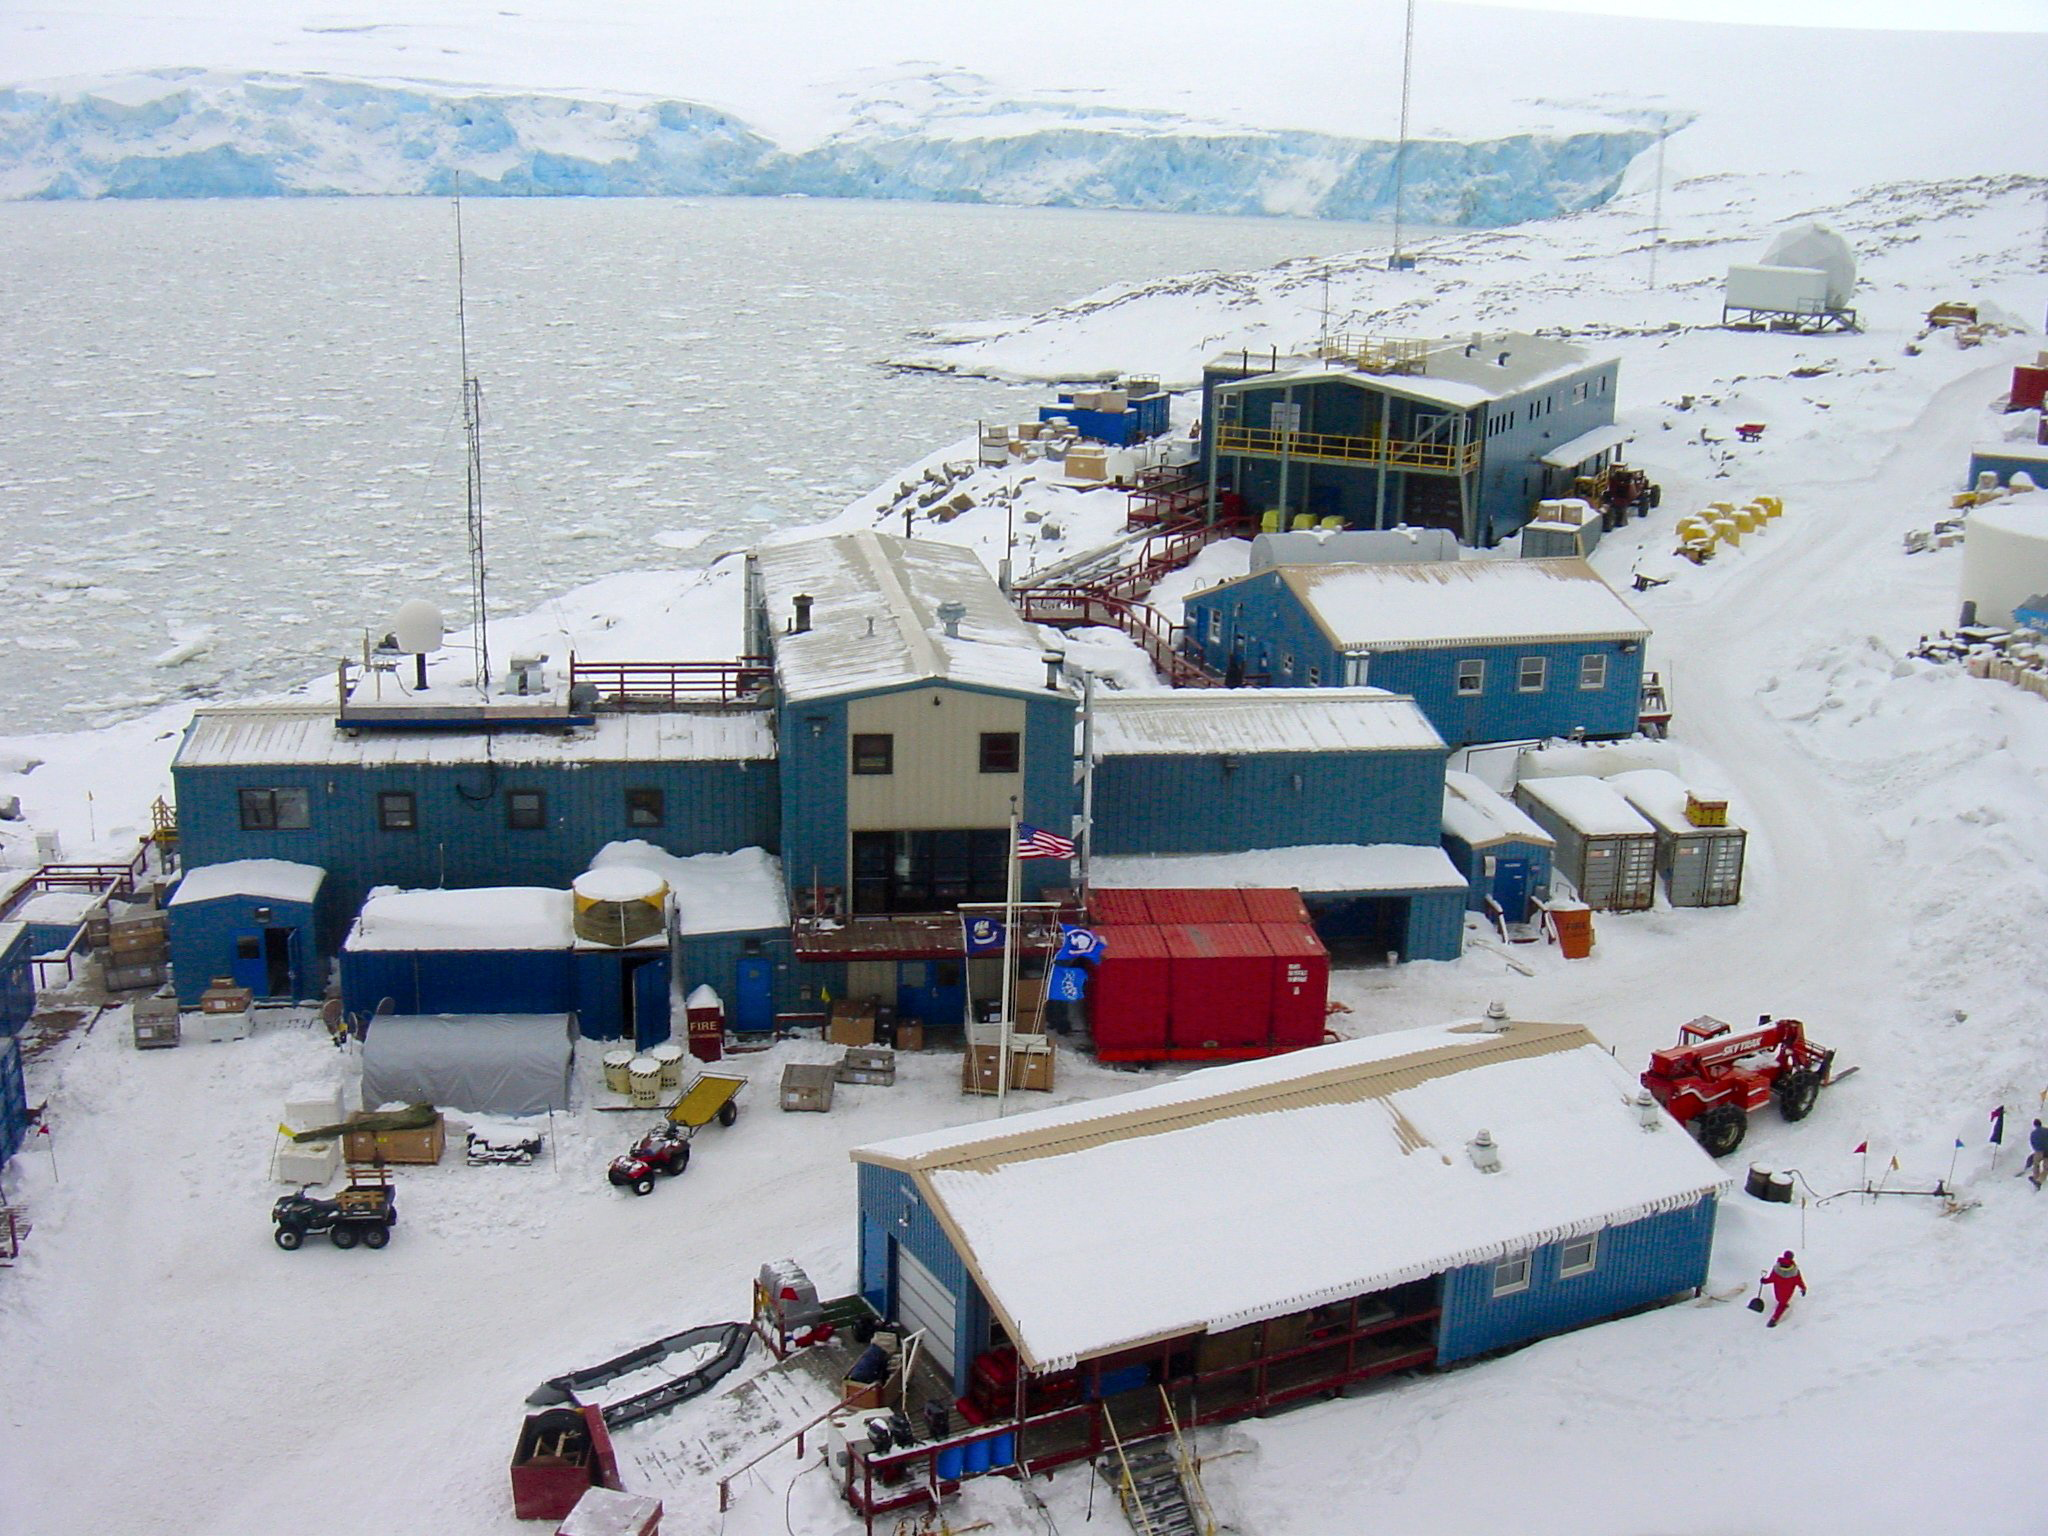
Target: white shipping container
(1794, 290)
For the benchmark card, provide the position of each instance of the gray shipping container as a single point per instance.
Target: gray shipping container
(1604, 847)
(1702, 866)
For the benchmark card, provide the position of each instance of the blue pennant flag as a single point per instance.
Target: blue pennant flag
(1079, 943)
(1069, 984)
(984, 935)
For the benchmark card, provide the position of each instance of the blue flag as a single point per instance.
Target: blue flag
(984, 935)
(1079, 943)
(1069, 984)
(1998, 1126)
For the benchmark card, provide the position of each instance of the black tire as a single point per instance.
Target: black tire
(728, 1112)
(644, 1185)
(1796, 1093)
(679, 1162)
(1720, 1130)
(376, 1237)
(342, 1235)
(288, 1238)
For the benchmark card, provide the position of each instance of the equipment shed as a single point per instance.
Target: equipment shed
(487, 1064)
(497, 949)
(1701, 864)
(254, 920)
(1604, 846)
(1504, 853)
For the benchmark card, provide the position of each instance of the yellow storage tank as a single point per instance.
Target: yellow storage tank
(619, 905)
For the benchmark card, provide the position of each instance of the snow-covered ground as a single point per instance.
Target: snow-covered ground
(169, 1371)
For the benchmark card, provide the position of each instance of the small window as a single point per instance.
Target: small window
(645, 808)
(1592, 672)
(1531, 674)
(1315, 677)
(874, 754)
(1287, 665)
(275, 810)
(1000, 752)
(248, 947)
(397, 811)
(1355, 669)
(526, 810)
(1578, 1256)
(1578, 392)
(1511, 1274)
(1471, 678)
(1215, 626)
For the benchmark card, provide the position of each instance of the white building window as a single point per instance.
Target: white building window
(1578, 392)
(1215, 625)
(1511, 1274)
(1531, 674)
(1355, 669)
(1471, 678)
(1592, 672)
(1578, 1256)
(1315, 677)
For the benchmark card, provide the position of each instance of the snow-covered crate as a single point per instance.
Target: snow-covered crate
(307, 1105)
(606, 1512)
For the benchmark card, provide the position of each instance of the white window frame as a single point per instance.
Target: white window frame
(1512, 1274)
(1478, 678)
(1356, 669)
(1579, 391)
(1315, 677)
(1592, 673)
(1215, 625)
(1542, 674)
(1567, 1268)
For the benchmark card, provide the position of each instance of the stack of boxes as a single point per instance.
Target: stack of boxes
(136, 953)
(224, 1011)
(308, 1106)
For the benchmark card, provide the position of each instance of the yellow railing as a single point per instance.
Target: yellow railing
(1375, 354)
(1329, 448)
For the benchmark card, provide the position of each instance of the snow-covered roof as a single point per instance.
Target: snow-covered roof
(1660, 796)
(54, 907)
(875, 619)
(1087, 1232)
(485, 918)
(1441, 604)
(1406, 386)
(1384, 546)
(1480, 816)
(296, 735)
(11, 934)
(1317, 869)
(264, 879)
(1587, 804)
(1570, 455)
(1462, 372)
(714, 892)
(1252, 721)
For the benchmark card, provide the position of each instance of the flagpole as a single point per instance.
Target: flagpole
(1087, 779)
(1009, 951)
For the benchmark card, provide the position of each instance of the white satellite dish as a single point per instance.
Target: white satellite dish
(417, 627)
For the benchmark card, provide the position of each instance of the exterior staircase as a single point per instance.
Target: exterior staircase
(1159, 1484)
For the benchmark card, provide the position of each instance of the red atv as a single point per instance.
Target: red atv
(663, 1150)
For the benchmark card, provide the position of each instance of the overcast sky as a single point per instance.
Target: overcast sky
(1913, 15)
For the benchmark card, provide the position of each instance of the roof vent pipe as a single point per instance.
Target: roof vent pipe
(1485, 1155)
(802, 603)
(1055, 668)
(1501, 361)
(1649, 1113)
(950, 615)
(1497, 1019)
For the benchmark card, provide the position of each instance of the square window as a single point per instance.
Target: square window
(397, 811)
(1287, 665)
(526, 810)
(275, 810)
(1578, 1256)
(1471, 678)
(1511, 1274)
(645, 808)
(1531, 674)
(874, 754)
(248, 947)
(1001, 752)
(1592, 672)
(1579, 392)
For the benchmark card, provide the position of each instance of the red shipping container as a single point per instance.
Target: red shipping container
(1205, 905)
(1301, 985)
(1220, 991)
(1127, 998)
(1110, 908)
(2029, 387)
(1281, 906)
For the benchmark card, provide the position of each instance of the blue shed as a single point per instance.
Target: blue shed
(13, 1099)
(1490, 650)
(260, 922)
(2004, 460)
(1119, 417)
(1080, 1236)
(490, 950)
(17, 978)
(1504, 853)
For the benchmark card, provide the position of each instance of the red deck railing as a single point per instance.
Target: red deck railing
(660, 684)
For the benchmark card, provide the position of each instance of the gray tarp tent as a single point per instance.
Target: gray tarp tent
(491, 1064)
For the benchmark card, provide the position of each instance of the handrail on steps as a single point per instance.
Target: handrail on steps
(1190, 1470)
(725, 1483)
(1128, 1494)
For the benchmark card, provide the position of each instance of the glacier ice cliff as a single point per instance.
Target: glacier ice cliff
(192, 133)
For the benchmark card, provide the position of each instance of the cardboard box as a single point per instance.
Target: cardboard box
(225, 997)
(980, 1069)
(852, 1023)
(1031, 1067)
(421, 1147)
(909, 1034)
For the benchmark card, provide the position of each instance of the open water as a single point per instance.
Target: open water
(231, 437)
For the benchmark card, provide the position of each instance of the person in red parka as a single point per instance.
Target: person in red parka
(1785, 1280)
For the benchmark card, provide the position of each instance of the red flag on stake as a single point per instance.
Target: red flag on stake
(1860, 1148)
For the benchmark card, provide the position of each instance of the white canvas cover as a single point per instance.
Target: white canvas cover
(487, 1064)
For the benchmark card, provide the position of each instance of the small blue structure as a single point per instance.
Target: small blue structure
(2005, 460)
(1080, 1235)
(490, 950)
(259, 922)
(1490, 650)
(17, 978)
(1120, 417)
(1504, 853)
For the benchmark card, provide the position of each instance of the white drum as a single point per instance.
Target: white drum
(644, 1082)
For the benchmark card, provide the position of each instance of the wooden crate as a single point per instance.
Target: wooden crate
(156, 1023)
(225, 997)
(852, 1022)
(1031, 1065)
(981, 1069)
(808, 1086)
(420, 1148)
(873, 1065)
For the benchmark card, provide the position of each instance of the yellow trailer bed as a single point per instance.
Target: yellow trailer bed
(710, 1096)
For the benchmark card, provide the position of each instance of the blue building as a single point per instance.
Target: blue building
(1119, 417)
(1086, 1239)
(1490, 650)
(1504, 854)
(261, 923)
(17, 978)
(916, 713)
(1373, 433)
(490, 949)
(1337, 794)
(13, 1099)
(2004, 460)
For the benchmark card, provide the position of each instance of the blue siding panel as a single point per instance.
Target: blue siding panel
(1639, 1262)
(1473, 862)
(891, 1210)
(13, 1100)
(1436, 926)
(458, 981)
(17, 985)
(713, 959)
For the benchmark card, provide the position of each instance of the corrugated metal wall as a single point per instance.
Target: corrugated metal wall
(1436, 926)
(458, 981)
(892, 1211)
(1473, 862)
(1639, 1262)
(1511, 468)
(202, 938)
(17, 985)
(1501, 711)
(13, 1100)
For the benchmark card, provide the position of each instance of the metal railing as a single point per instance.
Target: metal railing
(1334, 448)
(1374, 354)
(643, 684)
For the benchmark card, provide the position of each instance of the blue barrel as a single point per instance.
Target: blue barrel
(978, 1452)
(948, 1461)
(1003, 1449)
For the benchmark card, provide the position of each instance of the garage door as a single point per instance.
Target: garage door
(923, 1302)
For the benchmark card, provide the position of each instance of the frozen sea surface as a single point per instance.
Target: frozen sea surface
(232, 430)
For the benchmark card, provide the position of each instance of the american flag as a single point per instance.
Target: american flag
(1037, 843)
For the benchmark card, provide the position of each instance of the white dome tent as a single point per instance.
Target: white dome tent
(1804, 281)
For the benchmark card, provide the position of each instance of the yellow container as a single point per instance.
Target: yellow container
(1693, 528)
(1726, 529)
(1722, 507)
(1748, 519)
(616, 1074)
(1773, 506)
(644, 1075)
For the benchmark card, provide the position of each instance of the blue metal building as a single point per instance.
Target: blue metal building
(262, 923)
(1080, 1235)
(484, 950)
(1490, 650)
(1338, 794)
(1143, 413)
(1373, 433)
(13, 1099)
(1504, 854)
(2005, 460)
(17, 978)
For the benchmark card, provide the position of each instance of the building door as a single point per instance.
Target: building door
(754, 1008)
(1511, 888)
(934, 992)
(248, 967)
(279, 973)
(922, 1301)
(647, 1000)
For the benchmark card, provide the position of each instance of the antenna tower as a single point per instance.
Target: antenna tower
(1657, 204)
(472, 431)
(1398, 261)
